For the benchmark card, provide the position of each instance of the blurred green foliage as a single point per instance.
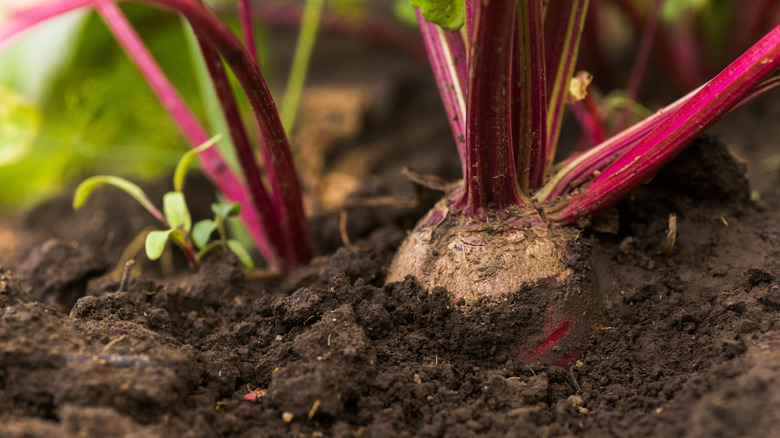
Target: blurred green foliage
(20, 123)
(403, 11)
(97, 113)
(674, 10)
(74, 104)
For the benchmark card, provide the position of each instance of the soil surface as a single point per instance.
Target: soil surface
(688, 344)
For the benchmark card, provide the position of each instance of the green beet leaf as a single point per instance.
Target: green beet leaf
(449, 14)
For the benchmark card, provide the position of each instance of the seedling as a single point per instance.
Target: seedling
(203, 230)
(175, 215)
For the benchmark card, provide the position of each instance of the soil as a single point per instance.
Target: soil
(688, 344)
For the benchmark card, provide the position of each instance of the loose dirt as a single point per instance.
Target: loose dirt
(688, 344)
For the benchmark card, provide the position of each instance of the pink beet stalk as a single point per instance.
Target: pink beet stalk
(490, 181)
(159, 83)
(247, 30)
(577, 170)
(21, 20)
(531, 97)
(573, 12)
(262, 203)
(662, 144)
(587, 113)
(642, 58)
(447, 55)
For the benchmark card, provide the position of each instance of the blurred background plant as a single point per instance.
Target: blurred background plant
(687, 42)
(72, 104)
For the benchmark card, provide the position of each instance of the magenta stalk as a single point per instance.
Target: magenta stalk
(21, 20)
(530, 95)
(275, 147)
(573, 14)
(642, 58)
(246, 156)
(490, 180)
(664, 142)
(447, 56)
(247, 30)
(577, 170)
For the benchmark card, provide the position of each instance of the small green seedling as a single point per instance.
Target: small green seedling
(175, 215)
(202, 231)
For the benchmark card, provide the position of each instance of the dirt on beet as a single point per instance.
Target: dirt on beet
(688, 344)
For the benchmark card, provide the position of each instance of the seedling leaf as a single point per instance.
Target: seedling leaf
(677, 10)
(201, 232)
(175, 209)
(226, 210)
(243, 256)
(85, 189)
(155, 243)
(449, 14)
(186, 161)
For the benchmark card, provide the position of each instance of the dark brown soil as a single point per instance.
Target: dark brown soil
(689, 343)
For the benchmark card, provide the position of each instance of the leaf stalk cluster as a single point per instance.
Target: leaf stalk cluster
(521, 57)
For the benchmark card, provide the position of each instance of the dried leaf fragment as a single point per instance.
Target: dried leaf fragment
(671, 235)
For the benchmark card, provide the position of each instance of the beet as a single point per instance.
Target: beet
(542, 274)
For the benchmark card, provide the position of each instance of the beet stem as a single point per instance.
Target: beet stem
(664, 142)
(491, 181)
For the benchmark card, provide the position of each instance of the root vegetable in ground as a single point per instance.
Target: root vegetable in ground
(508, 227)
